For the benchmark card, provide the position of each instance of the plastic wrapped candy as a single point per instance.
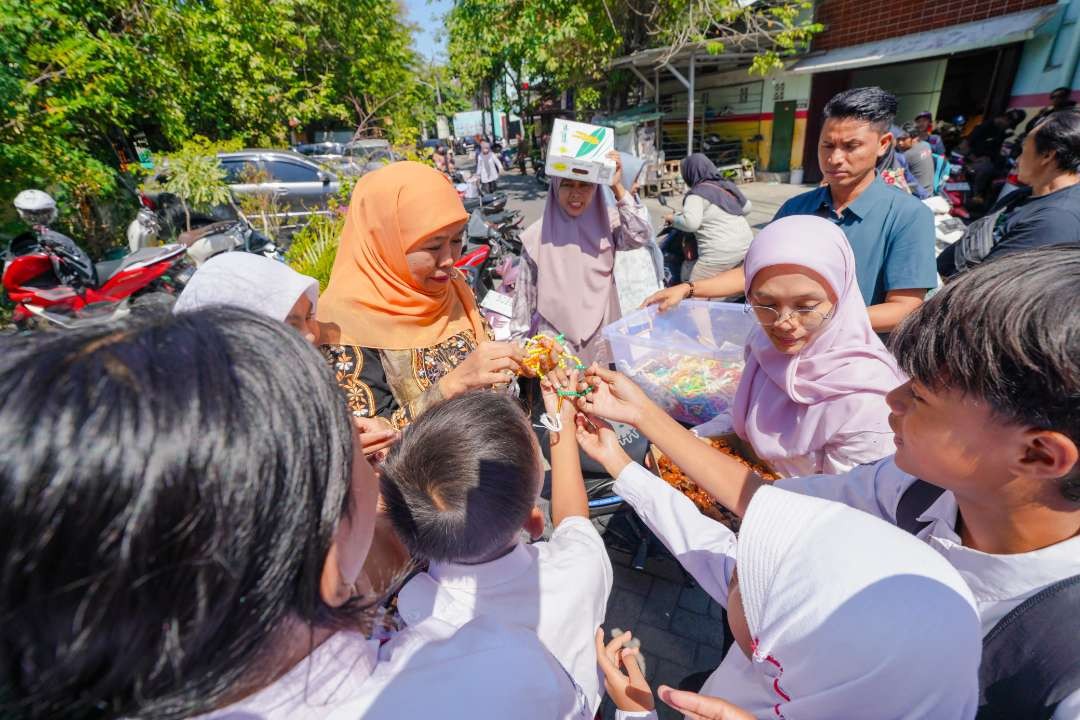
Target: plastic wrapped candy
(692, 389)
(689, 359)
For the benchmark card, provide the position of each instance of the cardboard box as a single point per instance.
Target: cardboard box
(579, 151)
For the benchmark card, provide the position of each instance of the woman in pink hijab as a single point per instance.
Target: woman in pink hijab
(566, 285)
(812, 397)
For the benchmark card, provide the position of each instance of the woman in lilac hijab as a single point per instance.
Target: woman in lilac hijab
(812, 397)
(566, 285)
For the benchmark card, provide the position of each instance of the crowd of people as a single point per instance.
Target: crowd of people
(277, 503)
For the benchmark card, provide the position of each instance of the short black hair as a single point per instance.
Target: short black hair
(169, 490)
(1063, 89)
(872, 104)
(1006, 333)
(908, 129)
(460, 484)
(1060, 133)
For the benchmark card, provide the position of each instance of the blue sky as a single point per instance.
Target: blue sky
(426, 15)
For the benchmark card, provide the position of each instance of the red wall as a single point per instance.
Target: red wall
(851, 22)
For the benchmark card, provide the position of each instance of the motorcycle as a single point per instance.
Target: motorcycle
(53, 281)
(677, 248)
(489, 242)
(207, 237)
(957, 189)
(491, 203)
(160, 215)
(227, 236)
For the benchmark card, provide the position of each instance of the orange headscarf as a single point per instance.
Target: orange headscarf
(372, 300)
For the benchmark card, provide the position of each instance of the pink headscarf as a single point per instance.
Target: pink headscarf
(792, 405)
(574, 260)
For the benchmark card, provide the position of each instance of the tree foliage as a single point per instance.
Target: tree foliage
(79, 76)
(569, 44)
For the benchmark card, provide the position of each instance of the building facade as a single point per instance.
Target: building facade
(970, 58)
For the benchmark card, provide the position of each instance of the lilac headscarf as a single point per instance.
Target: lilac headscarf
(574, 260)
(792, 405)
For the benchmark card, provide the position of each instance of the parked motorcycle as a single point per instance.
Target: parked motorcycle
(957, 188)
(207, 237)
(161, 215)
(227, 236)
(490, 203)
(489, 241)
(53, 281)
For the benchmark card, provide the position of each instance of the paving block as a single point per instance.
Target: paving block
(632, 580)
(661, 603)
(670, 674)
(623, 610)
(657, 643)
(696, 627)
(695, 599)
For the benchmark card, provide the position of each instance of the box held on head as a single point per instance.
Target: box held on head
(578, 151)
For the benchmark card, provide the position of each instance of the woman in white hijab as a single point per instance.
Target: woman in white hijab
(258, 284)
(835, 614)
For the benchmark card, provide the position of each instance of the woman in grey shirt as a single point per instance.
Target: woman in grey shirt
(715, 210)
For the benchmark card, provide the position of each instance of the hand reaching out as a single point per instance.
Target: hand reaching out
(669, 297)
(554, 381)
(491, 363)
(600, 442)
(613, 397)
(376, 436)
(625, 683)
(702, 707)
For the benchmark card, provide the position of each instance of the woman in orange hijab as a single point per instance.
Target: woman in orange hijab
(399, 323)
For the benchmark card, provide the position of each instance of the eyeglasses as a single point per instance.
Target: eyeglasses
(807, 318)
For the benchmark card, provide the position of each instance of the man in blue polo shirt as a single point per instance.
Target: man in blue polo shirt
(890, 232)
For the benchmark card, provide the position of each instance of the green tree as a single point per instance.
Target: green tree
(569, 44)
(78, 77)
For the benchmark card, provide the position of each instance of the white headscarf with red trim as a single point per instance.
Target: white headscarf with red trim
(852, 617)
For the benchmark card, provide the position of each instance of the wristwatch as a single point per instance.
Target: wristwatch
(691, 293)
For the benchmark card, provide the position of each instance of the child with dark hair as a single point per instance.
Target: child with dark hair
(186, 519)
(986, 469)
(459, 489)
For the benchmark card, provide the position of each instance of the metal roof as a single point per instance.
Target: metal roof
(1002, 30)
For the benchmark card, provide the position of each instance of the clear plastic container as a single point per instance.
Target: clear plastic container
(689, 360)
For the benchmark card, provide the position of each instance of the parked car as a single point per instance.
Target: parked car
(428, 146)
(368, 155)
(320, 149)
(301, 187)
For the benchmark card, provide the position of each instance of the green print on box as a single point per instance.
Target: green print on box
(589, 142)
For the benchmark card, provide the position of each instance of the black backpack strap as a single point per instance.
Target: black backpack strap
(1031, 659)
(916, 500)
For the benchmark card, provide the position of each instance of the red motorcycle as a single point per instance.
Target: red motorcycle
(52, 279)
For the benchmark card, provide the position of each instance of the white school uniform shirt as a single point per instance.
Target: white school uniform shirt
(430, 670)
(707, 550)
(999, 583)
(558, 589)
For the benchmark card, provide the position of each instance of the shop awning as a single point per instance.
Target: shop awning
(632, 117)
(1002, 30)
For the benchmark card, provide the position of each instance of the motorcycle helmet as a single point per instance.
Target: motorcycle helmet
(35, 207)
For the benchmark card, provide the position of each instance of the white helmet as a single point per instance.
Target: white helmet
(35, 207)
